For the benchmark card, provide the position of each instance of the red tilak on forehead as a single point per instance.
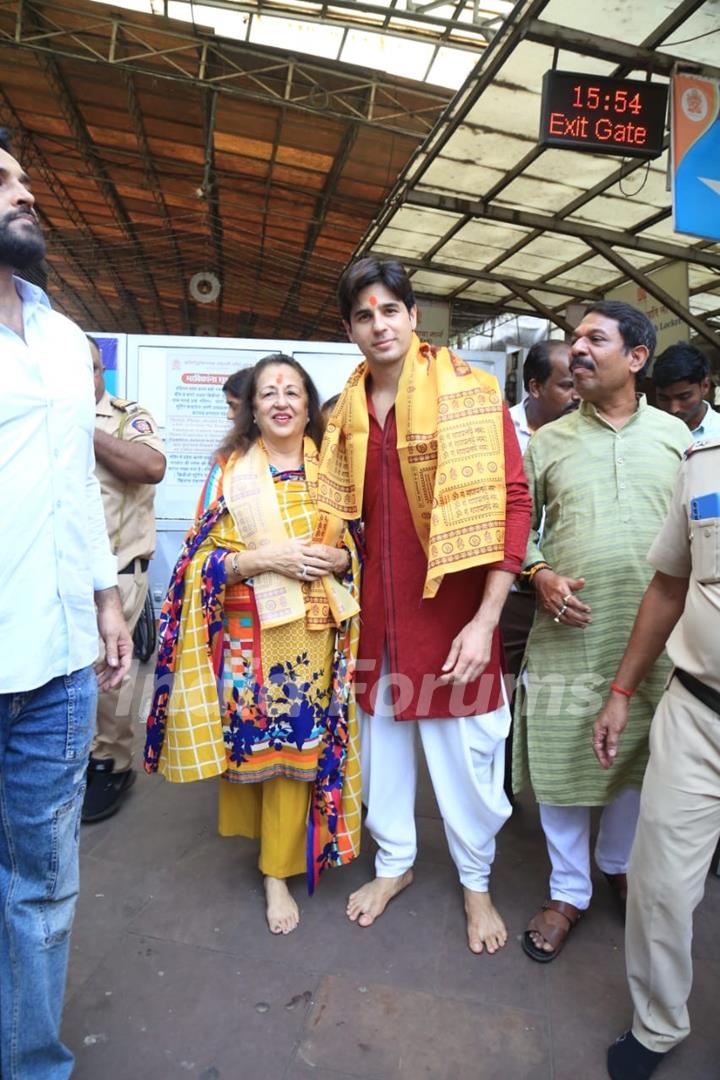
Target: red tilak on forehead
(279, 378)
(373, 301)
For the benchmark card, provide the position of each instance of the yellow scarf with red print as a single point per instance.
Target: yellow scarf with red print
(450, 445)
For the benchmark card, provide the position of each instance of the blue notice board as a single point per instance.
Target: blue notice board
(109, 352)
(696, 156)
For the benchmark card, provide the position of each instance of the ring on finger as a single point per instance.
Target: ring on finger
(566, 598)
(303, 570)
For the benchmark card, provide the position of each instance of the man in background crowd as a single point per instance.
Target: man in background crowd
(130, 463)
(549, 389)
(57, 590)
(549, 394)
(682, 380)
(601, 480)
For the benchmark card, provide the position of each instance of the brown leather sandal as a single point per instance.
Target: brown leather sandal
(553, 922)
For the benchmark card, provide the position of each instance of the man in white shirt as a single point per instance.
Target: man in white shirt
(682, 382)
(57, 590)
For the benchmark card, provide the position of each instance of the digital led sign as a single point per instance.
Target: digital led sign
(603, 116)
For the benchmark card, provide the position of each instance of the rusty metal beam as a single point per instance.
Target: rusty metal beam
(97, 168)
(210, 194)
(239, 70)
(155, 188)
(548, 223)
(542, 309)
(318, 219)
(625, 54)
(63, 287)
(506, 280)
(655, 290)
(34, 160)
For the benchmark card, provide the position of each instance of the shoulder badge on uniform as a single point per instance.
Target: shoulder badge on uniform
(702, 444)
(122, 403)
(144, 427)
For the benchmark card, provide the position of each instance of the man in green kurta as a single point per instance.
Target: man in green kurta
(603, 477)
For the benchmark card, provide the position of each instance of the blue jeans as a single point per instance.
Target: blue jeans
(44, 745)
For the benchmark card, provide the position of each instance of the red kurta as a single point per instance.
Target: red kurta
(417, 633)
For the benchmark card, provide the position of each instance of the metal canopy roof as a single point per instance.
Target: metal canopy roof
(242, 147)
(158, 150)
(441, 38)
(495, 224)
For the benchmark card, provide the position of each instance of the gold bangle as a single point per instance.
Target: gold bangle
(535, 569)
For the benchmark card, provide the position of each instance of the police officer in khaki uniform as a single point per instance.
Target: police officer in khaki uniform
(679, 821)
(130, 461)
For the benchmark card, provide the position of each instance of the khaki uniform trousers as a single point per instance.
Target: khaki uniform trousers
(676, 837)
(114, 724)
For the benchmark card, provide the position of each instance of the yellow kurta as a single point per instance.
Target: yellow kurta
(275, 694)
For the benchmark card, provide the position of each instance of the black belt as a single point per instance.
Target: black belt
(705, 694)
(130, 568)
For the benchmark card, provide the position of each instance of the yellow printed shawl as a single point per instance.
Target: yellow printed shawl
(250, 497)
(450, 445)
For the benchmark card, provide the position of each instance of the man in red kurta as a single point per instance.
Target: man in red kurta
(429, 652)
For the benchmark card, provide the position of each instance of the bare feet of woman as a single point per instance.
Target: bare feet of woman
(281, 910)
(485, 928)
(369, 902)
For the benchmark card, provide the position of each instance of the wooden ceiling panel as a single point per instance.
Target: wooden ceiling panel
(267, 176)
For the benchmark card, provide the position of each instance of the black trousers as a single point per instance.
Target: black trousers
(515, 624)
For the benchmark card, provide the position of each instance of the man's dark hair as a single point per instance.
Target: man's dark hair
(5, 140)
(369, 271)
(235, 384)
(635, 327)
(539, 361)
(244, 431)
(680, 362)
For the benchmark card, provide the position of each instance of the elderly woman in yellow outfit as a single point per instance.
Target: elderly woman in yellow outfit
(257, 638)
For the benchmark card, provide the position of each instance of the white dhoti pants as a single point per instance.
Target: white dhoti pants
(466, 760)
(567, 831)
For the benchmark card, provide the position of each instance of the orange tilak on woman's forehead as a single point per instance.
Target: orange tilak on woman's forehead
(373, 301)
(279, 378)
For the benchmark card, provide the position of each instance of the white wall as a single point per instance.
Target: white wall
(179, 380)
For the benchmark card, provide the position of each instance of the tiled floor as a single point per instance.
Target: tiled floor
(174, 974)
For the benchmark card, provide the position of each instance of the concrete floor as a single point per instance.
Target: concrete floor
(174, 973)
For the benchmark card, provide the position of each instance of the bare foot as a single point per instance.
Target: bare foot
(281, 910)
(369, 902)
(485, 928)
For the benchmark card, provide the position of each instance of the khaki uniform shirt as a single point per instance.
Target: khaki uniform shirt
(691, 549)
(129, 508)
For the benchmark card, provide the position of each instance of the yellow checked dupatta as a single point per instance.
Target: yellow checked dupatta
(450, 444)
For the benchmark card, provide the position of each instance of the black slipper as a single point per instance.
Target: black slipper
(628, 1059)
